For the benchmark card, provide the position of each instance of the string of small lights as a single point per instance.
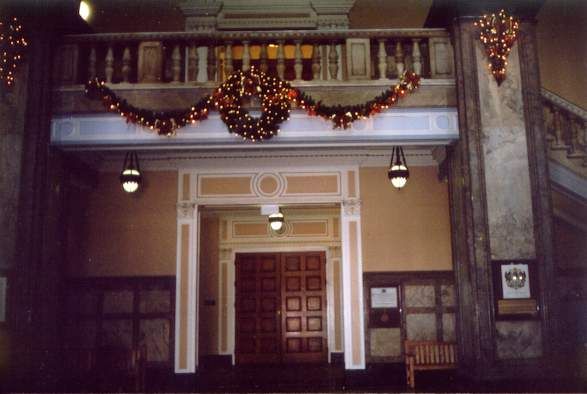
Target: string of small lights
(276, 99)
(12, 47)
(498, 33)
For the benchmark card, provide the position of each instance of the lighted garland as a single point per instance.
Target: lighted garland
(273, 94)
(12, 47)
(498, 33)
(343, 116)
(276, 98)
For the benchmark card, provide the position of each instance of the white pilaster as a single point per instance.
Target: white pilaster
(186, 288)
(352, 278)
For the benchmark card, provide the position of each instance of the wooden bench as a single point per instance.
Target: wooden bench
(428, 355)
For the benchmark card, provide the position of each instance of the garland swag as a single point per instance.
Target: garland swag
(275, 96)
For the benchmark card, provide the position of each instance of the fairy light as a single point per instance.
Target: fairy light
(12, 46)
(498, 33)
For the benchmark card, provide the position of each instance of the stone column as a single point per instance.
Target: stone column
(500, 207)
(36, 267)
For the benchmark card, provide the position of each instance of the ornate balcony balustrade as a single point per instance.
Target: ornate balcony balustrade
(566, 126)
(206, 58)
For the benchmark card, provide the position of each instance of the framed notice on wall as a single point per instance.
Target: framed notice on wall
(384, 307)
(515, 283)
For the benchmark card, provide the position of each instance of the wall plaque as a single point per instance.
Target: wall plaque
(384, 307)
(515, 289)
(384, 297)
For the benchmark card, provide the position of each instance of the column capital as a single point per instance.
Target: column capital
(351, 207)
(185, 210)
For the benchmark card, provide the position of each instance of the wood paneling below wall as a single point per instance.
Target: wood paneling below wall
(122, 312)
(427, 304)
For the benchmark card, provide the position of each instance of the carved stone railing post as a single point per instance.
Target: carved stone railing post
(211, 71)
(575, 149)
(228, 68)
(298, 65)
(333, 61)
(558, 142)
(583, 127)
(263, 65)
(126, 64)
(176, 64)
(547, 110)
(246, 56)
(382, 59)
(416, 56)
(92, 63)
(280, 60)
(193, 63)
(109, 64)
(399, 58)
(316, 62)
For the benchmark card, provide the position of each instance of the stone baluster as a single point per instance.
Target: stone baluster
(228, 68)
(175, 64)
(558, 142)
(399, 58)
(333, 61)
(316, 62)
(575, 150)
(416, 56)
(211, 72)
(263, 65)
(109, 64)
(126, 64)
(246, 56)
(298, 65)
(382, 59)
(583, 129)
(193, 63)
(280, 60)
(92, 63)
(548, 121)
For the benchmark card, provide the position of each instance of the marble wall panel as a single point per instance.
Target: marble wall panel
(448, 327)
(447, 295)
(154, 301)
(419, 296)
(507, 174)
(421, 326)
(386, 342)
(156, 336)
(117, 333)
(518, 339)
(118, 301)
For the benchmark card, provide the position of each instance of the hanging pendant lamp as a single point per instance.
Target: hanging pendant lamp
(398, 172)
(130, 177)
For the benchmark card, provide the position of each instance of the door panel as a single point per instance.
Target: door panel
(258, 332)
(281, 308)
(303, 307)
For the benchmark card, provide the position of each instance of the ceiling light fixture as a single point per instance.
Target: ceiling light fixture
(398, 172)
(276, 221)
(130, 177)
(85, 11)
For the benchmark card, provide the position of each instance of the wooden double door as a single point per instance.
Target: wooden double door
(281, 308)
